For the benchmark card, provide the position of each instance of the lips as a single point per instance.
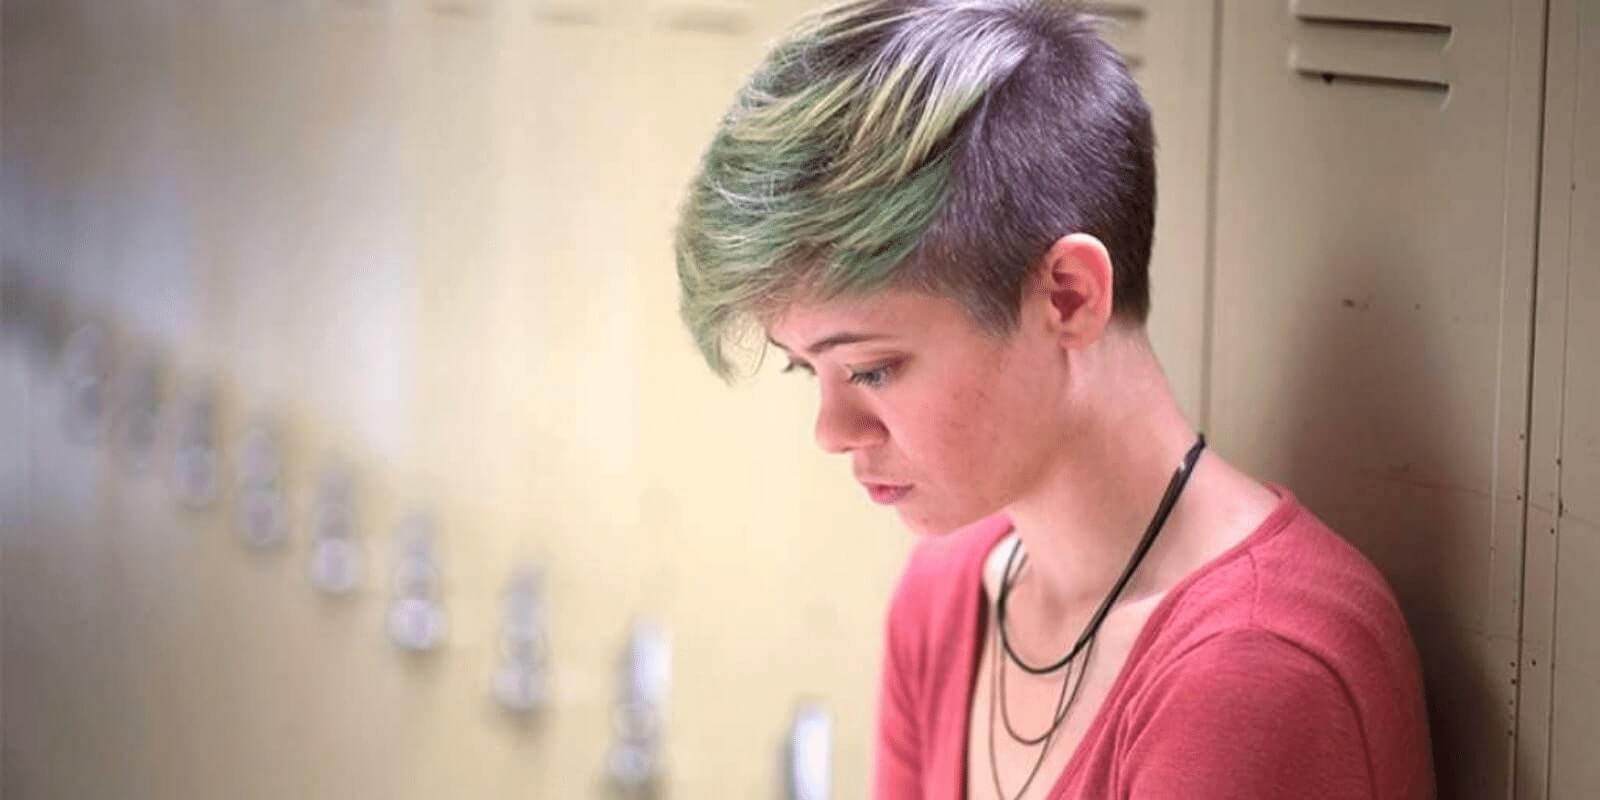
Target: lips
(886, 493)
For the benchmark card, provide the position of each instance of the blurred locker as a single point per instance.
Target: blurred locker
(62, 555)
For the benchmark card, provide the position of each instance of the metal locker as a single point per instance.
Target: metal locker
(1171, 49)
(1560, 664)
(1376, 173)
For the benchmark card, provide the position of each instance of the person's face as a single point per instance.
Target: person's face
(941, 419)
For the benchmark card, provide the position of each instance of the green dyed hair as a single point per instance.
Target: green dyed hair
(941, 145)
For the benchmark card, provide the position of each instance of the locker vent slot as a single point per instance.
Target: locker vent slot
(1397, 52)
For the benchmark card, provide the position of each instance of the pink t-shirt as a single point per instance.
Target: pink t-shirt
(1281, 669)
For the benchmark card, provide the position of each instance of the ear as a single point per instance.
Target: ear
(1074, 287)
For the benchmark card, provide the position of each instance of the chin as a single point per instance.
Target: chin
(935, 525)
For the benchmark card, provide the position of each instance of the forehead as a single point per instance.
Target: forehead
(898, 313)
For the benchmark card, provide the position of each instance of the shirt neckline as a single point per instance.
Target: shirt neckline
(1285, 511)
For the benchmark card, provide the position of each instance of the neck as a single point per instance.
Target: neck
(1082, 521)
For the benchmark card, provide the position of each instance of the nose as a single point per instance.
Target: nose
(844, 424)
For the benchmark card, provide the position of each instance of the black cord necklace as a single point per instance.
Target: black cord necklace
(1085, 642)
(1180, 479)
(997, 690)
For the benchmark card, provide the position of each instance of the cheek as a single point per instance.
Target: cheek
(963, 431)
(963, 449)
(995, 426)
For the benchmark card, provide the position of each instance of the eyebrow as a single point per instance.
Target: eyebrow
(826, 343)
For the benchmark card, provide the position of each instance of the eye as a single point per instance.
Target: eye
(800, 366)
(872, 378)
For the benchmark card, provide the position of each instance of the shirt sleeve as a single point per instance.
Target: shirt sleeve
(897, 767)
(1246, 714)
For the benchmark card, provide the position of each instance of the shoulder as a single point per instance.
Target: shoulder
(1293, 599)
(1293, 630)
(1247, 711)
(1239, 663)
(1241, 670)
(1298, 580)
(1318, 591)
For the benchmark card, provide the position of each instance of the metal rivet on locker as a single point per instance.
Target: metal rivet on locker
(195, 461)
(521, 680)
(86, 370)
(263, 513)
(634, 764)
(417, 618)
(337, 562)
(808, 754)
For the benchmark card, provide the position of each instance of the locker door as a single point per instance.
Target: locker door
(1374, 231)
(1559, 715)
(1170, 48)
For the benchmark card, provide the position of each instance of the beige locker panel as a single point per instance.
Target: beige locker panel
(1170, 47)
(1556, 728)
(1377, 164)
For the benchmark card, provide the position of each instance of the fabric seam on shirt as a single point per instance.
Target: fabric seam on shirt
(1255, 589)
(1350, 701)
(1344, 688)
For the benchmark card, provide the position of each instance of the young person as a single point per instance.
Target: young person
(943, 210)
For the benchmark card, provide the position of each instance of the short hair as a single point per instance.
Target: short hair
(940, 145)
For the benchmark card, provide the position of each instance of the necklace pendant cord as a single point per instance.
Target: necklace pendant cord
(1175, 487)
(1084, 644)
